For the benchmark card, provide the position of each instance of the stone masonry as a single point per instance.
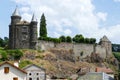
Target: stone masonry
(22, 34)
(103, 48)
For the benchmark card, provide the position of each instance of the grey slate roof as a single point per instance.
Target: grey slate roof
(16, 12)
(33, 65)
(104, 38)
(95, 76)
(33, 18)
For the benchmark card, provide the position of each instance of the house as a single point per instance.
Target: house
(35, 72)
(105, 70)
(9, 71)
(95, 76)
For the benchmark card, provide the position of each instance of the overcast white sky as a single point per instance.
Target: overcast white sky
(91, 18)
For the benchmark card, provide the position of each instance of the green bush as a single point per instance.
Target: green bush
(3, 55)
(55, 40)
(15, 54)
(24, 63)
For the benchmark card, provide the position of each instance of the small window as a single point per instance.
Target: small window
(37, 73)
(37, 78)
(30, 74)
(30, 78)
(15, 78)
(6, 69)
(24, 29)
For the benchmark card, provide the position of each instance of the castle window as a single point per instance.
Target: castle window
(6, 69)
(24, 37)
(24, 29)
(15, 78)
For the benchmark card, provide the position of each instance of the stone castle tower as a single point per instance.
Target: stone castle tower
(105, 42)
(22, 34)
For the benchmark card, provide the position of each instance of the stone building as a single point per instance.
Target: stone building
(35, 72)
(22, 34)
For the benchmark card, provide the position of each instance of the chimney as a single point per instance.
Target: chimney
(16, 64)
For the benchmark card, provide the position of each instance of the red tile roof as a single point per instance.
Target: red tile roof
(13, 66)
(106, 70)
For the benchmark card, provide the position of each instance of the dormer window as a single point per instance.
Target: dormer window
(6, 69)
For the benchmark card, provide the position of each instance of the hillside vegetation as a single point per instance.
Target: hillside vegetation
(59, 63)
(117, 55)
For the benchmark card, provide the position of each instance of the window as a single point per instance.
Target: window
(24, 37)
(6, 69)
(37, 78)
(37, 73)
(30, 74)
(24, 29)
(30, 78)
(15, 78)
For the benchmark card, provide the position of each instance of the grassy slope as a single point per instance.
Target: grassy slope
(53, 65)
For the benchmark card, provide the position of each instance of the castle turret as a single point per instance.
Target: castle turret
(33, 32)
(15, 18)
(105, 42)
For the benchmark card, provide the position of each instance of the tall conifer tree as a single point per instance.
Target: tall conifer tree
(43, 29)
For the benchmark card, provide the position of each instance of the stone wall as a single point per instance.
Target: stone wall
(80, 50)
(83, 50)
(45, 45)
(64, 45)
(101, 50)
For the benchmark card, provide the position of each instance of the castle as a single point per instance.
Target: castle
(23, 35)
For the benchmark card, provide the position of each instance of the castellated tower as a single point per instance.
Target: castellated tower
(22, 34)
(33, 34)
(15, 18)
(104, 42)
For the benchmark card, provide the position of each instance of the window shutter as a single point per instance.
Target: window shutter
(15, 78)
(6, 69)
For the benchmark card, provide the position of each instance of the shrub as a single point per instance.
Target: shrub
(24, 63)
(15, 54)
(3, 55)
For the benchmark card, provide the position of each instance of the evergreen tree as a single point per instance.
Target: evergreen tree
(43, 29)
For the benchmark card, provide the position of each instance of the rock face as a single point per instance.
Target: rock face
(66, 55)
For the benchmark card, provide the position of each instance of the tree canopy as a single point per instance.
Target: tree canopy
(4, 42)
(43, 29)
(79, 38)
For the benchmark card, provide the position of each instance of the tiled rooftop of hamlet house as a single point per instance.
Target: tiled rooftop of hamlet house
(106, 70)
